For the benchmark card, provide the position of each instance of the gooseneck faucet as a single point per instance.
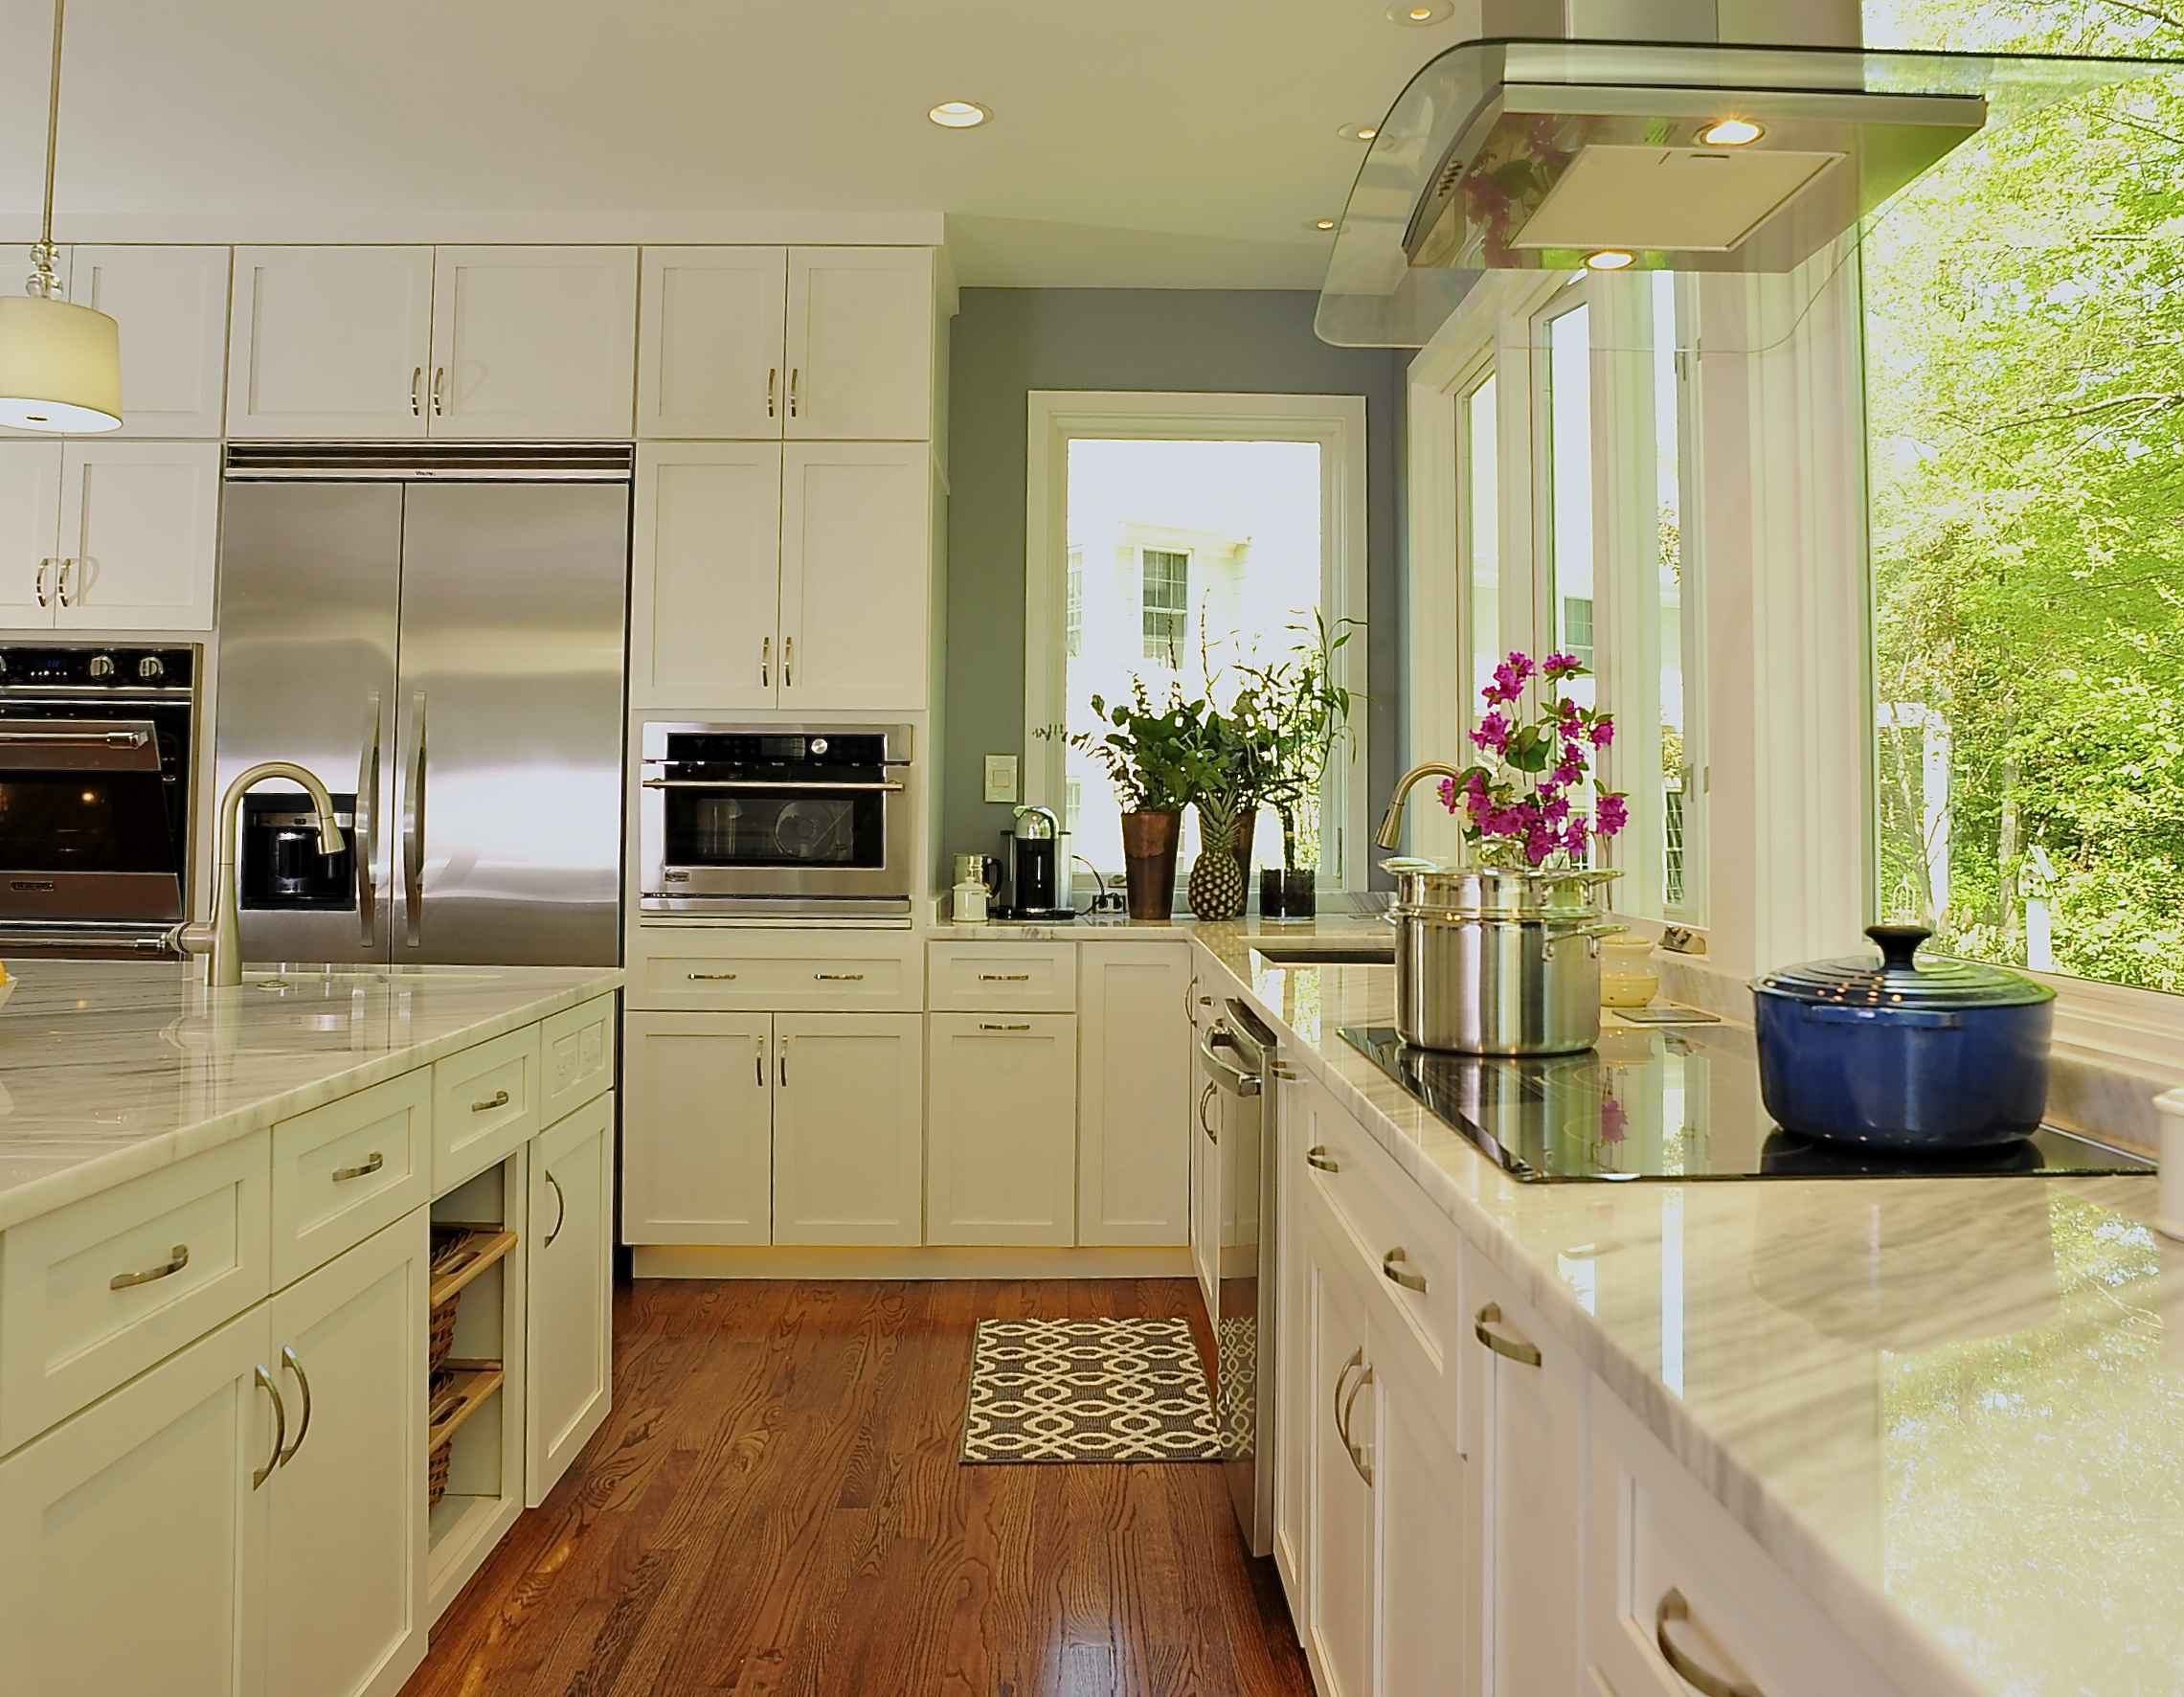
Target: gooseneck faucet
(222, 939)
(1390, 833)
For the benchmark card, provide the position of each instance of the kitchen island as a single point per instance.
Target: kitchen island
(225, 1217)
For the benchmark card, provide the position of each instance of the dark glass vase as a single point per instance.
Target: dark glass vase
(1288, 894)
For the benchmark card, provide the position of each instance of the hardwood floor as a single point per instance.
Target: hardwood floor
(776, 1507)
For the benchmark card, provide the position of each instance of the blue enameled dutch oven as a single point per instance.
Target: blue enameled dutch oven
(1903, 1055)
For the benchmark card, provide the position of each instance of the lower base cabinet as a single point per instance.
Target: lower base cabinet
(1341, 1501)
(849, 1107)
(569, 1318)
(1002, 1161)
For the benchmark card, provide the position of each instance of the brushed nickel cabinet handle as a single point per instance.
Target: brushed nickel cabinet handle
(166, 1269)
(788, 663)
(60, 582)
(342, 1174)
(44, 566)
(1396, 1265)
(438, 383)
(1349, 1367)
(279, 1428)
(1005, 978)
(766, 664)
(1317, 1156)
(710, 977)
(1698, 1676)
(1516, 1350)
(294, 1363)
(1206, 1097)
(838, 978)
(498, 1099)
(416, 393)
(560, 1210)
(796, 373)
(1350, 1444)
(781, 1055)
(758, 1057)
(772, 376)
(984, 1027)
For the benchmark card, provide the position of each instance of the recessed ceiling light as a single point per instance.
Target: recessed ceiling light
(1418, 13)
(1609, 259)
(959, 114)
(1732, 132)
(1359, 132)
(1322, 225)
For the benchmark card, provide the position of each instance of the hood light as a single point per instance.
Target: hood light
(1321, 224)
(1732, 132)
(1417, 14)
(959, 114)
(1359, 132)
(1609, 259)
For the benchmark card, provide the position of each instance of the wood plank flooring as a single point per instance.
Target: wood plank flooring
(775, 1506)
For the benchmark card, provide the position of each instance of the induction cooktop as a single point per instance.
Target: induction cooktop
(1674, 1105)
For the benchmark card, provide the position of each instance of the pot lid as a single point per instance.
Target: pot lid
(1900, 980)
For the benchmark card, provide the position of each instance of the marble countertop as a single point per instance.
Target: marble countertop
(112, 1068)
(1953, 1409)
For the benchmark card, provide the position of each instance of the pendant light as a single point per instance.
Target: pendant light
(60, 364)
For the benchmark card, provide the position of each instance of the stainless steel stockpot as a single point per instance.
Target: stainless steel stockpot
(1497, 892)
(1488, 986)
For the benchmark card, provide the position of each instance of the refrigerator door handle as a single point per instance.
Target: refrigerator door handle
(366, 833)
(413, 835)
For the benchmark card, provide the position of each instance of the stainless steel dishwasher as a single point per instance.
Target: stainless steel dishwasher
(1236, 1116)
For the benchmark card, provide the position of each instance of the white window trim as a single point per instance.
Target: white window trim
(1335, 422)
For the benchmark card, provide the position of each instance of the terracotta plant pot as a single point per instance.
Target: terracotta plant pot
(1149, 843)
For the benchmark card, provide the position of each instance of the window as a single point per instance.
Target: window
(1482, 498)
(1568, 478)
(1165, 606)
(1075, 626)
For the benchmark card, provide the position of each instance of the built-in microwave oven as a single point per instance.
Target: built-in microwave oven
(775, 821)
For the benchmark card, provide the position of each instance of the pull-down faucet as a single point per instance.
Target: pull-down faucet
(222, 939)
(1390, 833)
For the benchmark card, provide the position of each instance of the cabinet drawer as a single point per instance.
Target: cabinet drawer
(342, 1172)
(485, 1105)
(94, 1293)
(974, 978)
(576, 1052)
(780, 972)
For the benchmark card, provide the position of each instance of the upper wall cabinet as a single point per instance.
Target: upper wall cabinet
(824, 344)
(109, 536)
(406, 342)
(171, 303)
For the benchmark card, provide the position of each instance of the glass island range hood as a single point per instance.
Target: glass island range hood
(1556, 154)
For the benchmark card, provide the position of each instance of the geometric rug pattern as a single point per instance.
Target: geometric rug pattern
(1088, 1391)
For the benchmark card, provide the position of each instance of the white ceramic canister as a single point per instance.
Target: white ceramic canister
(970, 902)
(1628, 976)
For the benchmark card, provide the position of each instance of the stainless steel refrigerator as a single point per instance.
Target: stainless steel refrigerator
(442, 641)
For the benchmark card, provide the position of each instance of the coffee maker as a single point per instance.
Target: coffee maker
(1035, 870)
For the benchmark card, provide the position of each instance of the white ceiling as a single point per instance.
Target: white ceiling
(1135, 143)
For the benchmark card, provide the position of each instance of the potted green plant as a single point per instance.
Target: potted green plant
(1155, 758)
(1297, 712)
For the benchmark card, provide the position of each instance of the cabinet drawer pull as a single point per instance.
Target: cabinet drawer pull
(788, 663)
(983, 1026)
(773, 378)
(758, 1055)
(1356, 1360)
(782, 1052)
(1317, 1156)
(1205, 1097)
(1397, 1266)
(795, 372)
(560, 1210)
(1516, 1350)
(438, 380)
(416, 393)
(342, 1174)
(698, 978)
(294, 1363)
(838, 978)
(179, 1259)
(280, 1429)
(44, 566)
(766, 657)
(1005, 978)
(1350, 1446)
(1698, 1677)
(60, 581)
(498, 1099)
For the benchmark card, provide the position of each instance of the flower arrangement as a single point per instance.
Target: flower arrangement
(1549, 756)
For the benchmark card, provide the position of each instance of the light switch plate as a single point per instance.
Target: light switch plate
(1001, 778)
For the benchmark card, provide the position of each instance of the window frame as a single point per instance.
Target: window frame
(1336, 424)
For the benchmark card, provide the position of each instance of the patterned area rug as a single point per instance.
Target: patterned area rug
(1088, 1391)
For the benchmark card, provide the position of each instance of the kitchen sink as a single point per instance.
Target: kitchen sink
(1325, 954)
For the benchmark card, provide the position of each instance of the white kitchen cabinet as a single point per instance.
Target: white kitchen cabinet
(132, 1543)
(1523, 1425)
(860, 344)
(532, 342)
(1135, 1098)
(1423, 1602)
(698, 1142)
(1339, 1424)
(1293, 1368)
(712, 347)
(171, 303)
(706, 583)
(29, 531)
(849, 1111)
(1001, 1128)
(346, 1568)
(1205, 1132)
(139, 539)
(570, 1320)
(856, 547)
(329, 342)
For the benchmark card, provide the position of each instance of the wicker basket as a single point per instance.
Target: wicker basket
(435, 1475)
(441, 1337)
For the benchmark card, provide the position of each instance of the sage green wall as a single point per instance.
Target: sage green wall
(1006, 342)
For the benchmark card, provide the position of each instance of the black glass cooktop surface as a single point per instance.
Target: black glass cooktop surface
(1669, 1104)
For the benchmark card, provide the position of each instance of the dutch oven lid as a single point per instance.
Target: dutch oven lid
(1897, 980)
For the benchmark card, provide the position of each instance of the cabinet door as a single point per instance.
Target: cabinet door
(1524, 1428)
(705, 575)
(1295, 1383)
(329, 342)
(1422, 1604)
(533, 341)
(1133, 1094)
(171, 303)
(569, 1353)
(861, 343)
(698, 1128)
(29, 531)
(849, 1127)
(139, 535)
(709, 359)
(345, 1612)
(855, 576)
(1339, 1457)
(1003, 1129)
(1205, 1190)
(132, 1544)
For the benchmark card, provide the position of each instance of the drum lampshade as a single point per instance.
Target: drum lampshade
(60, 366)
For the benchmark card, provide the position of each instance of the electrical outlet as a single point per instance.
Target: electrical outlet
(1001, 778)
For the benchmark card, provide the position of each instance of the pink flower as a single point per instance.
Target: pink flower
(1575, 834)
(1569, 771)
(1493, 733)
(1447, 793)
(1603, 731)
(1556, 810)
(1614, 815)
(1561, 665)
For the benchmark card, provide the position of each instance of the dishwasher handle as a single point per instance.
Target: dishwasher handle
(1229, 1076)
